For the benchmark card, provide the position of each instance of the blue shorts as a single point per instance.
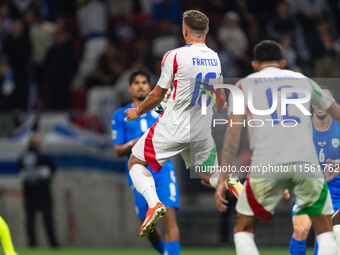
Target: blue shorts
(167, 191)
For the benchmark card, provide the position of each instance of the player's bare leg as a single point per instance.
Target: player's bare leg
(145, 184)
(171, 227)
(336, 227)
(244, 235)
(156, 239)
(155, 236)
(301, 224)
(322, 225)
(171, 231)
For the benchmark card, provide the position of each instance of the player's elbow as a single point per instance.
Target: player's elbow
(157, 98)
(119, 152)
(334, 111)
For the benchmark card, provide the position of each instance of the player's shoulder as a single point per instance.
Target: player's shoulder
(276, 72)
(195, 48)
(269, 73)
(170, 55)
(336, 125)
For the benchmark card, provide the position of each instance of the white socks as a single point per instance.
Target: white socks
(214, 179)
(327, 244)
(144, 183)
(336, 230)
(245, 244)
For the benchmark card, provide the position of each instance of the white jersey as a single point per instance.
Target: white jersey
(282, 138)
(180, 68)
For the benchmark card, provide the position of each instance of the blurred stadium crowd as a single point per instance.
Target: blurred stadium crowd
(55, 52)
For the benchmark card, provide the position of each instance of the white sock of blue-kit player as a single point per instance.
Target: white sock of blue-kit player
(327, 244)
(336, 230)
(144, 183)
(245, 244)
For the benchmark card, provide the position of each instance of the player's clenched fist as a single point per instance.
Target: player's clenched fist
(132, 114)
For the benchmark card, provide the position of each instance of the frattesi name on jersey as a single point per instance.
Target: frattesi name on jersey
(204, 62)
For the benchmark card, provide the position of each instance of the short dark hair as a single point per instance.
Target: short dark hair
(196, 21)
(136, 73)
(268, 51)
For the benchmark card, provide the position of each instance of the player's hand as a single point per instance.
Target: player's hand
(332, 169)
(223, 97)
(132, 114)
(221, 202)
(223, 109)
(286, 194)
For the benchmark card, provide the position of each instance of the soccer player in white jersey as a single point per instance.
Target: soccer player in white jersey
(181, 129)
(285, 143)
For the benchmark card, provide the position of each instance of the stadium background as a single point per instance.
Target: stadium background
(63, 71)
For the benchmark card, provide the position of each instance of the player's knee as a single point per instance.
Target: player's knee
(300, 232)
(172, 231)
(244, 228)
(245, 223)
(133, 160)
(130, 163)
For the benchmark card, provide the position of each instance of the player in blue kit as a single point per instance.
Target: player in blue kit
(125, 135)
(326, 137)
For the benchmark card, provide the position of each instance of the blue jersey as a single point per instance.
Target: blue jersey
(124, 131)
(328, 147)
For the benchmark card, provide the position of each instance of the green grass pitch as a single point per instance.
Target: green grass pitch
(185, 251)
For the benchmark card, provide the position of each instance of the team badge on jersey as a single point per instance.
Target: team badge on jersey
(335, 142)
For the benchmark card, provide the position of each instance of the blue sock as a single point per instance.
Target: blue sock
(160, 246)
(297, 247)
(316, 248)
(173, 248)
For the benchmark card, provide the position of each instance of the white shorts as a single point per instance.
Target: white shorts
(260, 196)
(155, 149)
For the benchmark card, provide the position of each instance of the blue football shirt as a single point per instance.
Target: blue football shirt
(327, 147)
(124, 131)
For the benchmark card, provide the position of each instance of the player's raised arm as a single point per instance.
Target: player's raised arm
(158, 93)
(334, 111)
(324, 101)
(151, 101)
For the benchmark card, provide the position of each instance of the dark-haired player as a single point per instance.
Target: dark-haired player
(125, 134)
(284, 143)
(326, 136)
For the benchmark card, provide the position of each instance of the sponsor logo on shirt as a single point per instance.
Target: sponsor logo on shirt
(322, 144)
